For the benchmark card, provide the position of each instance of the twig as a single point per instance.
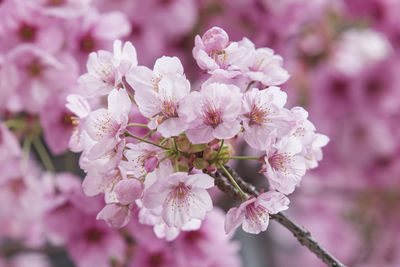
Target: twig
(17, 248)
(302, 235)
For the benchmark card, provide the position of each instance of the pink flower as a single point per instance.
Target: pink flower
(213, 113)
(60, 8)
(106, 70)
(264, 118)
(128, 190)
(154, 254)
(102, 180)
(312, 142)
(264, 66)
(115, 215)
(94, 31)
(284, 164)
(23, 25)
(22, 188)
(8, 80)
(158, 94)
(58, 125)
(141, 159)
(107, 126)
(9, 145)
(154, 218)
(209, 245)
(183, 197)
(39, 73)
(214, 53)
(254, 213)
(81, 108)
(94, 244)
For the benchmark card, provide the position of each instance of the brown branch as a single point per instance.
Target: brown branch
(13, 248)
(303, 236)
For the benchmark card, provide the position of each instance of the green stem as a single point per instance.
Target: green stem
(218, 152)
(44, 156)
(15, 123)
(175, 145)
(149, 133)
(26, 151)
(242, 157)
(249, 85)
(163, 141)
(176, 161)
(232, 180)
(127, 133)
(137, 125)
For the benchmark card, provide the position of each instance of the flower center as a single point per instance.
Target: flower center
(180, 197)
(27, 32)
(35, 68)
(106, 126)
(17, 186)
(220, 57)
(169, 108)
(156, 259)
(257, 215)
(281, 162)
(93, 235)
(87, 44)
(211, 115)
(56, 2)
(258, 115)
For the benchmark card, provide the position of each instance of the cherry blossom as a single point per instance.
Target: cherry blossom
(106, 70)
(182, 197)
(105, 126)
(284, 164)
(158, 94)
(213, 113)
(254, 212)
(264, 117)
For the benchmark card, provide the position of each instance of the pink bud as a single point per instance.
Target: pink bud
(150, 163)
(215, 39)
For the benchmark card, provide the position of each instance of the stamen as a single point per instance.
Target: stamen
(211, 115)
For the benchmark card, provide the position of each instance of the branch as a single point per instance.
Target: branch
(13, 248)
(303, 236)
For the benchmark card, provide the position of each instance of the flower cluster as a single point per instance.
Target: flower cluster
(149, 141)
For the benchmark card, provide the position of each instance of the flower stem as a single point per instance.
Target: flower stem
(44, 156)
(127, 133)
(233, 181)
(137, 125)
(26, 151)
(149, 133)
(218, 152)
(249, 85)
(241, 157)
(15, 123)
(175, 145)
(176, 161)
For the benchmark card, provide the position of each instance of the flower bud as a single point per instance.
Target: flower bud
(150, 163)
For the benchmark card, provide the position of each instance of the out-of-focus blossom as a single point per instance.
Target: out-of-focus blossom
(358, 48)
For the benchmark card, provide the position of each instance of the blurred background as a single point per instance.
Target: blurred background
(343, 58)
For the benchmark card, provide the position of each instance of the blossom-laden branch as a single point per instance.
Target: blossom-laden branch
(302, 235)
